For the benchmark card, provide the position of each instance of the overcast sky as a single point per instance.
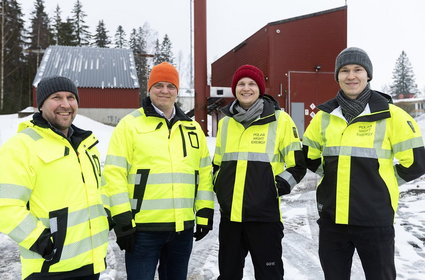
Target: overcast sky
(383, 28)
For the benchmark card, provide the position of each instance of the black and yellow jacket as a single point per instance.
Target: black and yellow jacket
(158, 175)
(248, 161)
(50, 185)
(359, 184)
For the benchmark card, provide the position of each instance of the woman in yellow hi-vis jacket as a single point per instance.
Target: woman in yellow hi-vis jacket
(50, 201)
(258, 157)
(353, 142)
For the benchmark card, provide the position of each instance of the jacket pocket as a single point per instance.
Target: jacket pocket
(58, 228)
(139, 190)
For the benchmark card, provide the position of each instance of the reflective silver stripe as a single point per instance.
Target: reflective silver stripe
(11, 191)
(31, 133)
(271, 137)
(170, 178)
(118, 199)
(325, 123)
(277, 158)
(163, 178)
(262, 157)
(53, 224)
(136, 113)
(21, 231)
(74, 249)
(134, 179)
(80, 216)
(206, 161)
(308, 142)
(288, 178)
(296, 146)
(408, 144)
(205, 195)
(105, 200)
(117, 161)
(224, 130)
(133, 202)
(169, 203)
(357, 152)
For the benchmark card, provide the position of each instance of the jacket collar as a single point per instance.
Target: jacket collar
(151, 112)
(76, 138)
(378, 105)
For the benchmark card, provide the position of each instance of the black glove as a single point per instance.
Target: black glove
(44, 245)
(111, 223)
(200, 232)
(126, 242)
(282, 186)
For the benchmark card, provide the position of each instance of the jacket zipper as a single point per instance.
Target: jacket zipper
(183, 141)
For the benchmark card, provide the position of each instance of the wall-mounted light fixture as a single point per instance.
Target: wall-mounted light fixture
(317, 68)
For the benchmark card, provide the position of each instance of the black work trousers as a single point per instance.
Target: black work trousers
(262, 240)
(374, 245)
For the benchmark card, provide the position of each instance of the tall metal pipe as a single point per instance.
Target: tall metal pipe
(200, 46)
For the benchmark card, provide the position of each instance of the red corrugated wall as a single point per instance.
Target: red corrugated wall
(105, 98)
(294, 45)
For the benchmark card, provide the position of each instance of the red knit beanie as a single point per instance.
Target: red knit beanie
(249, 71)
(163, 72)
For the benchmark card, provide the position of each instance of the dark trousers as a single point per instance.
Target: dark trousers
(262, 240)
(374, 245)
(171, 249)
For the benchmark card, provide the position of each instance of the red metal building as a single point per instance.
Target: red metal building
(106, 79)
(297, 56)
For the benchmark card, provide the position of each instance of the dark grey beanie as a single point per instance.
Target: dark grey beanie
(353, 55)
(50, 85)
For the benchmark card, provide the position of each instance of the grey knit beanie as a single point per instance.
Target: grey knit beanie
(50, 85)
(353, 55)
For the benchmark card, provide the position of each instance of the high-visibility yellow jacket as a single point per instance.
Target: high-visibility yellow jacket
(248, 160)
(46, 183)
(157, 175)
(360, 178)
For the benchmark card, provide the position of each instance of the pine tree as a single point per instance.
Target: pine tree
(163, 51)
(138, 44)
(157, 59)
(15, 87)
(101, 38)
(167, 50)
(39, 38)
(120, 41)
(57, 21)
(66, 34)
(403, 78)
(81, 29)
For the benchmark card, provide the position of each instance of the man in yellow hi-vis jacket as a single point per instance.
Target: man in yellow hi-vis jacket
(363, 147)
(50, 201)
(158, 181)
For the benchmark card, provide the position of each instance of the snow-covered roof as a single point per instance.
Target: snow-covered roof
(90, 67)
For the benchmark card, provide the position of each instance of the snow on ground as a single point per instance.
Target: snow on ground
(300, 255)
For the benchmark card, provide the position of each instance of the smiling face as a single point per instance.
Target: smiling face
(247, 92)
(60, 109)
(163, 95)
(352, 79)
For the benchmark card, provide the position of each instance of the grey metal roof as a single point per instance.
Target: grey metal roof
(90, 67)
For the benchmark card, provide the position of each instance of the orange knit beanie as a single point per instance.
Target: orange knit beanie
(163, 72)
